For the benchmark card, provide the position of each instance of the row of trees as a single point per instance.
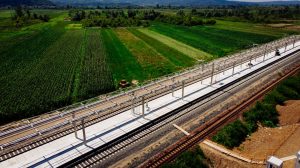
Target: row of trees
(120, 18)
(23, 16)
(250, 13)
(264, 112)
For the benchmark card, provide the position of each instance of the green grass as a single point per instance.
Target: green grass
(153, 63)
(174, 56)
(218, 42)
(177, 45)
(122, 63)
(252, 28)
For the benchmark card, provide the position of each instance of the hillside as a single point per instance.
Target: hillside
(26, 2)
(168, 2)
(144, 2)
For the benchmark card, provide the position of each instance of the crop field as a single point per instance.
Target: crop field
(153, 63)
(174, 56)
(252, 28)
(48, 65)
(94, 75)
(177, 45)
(218, 42)
(122, 63)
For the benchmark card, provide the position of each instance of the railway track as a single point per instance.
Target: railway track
(103, 152)
(203, 131)
(40, 137)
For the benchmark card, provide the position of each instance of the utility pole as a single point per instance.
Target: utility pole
(132, 105)
(83, 130)
(212, 73)
(224, 67)
(143, 105)
(182, 94)
(285, 47)
(233, 67)
(74, 125)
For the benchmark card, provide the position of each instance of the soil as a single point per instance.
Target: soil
(222, 160)
(281, 141)
(289, 112)
(267, 141)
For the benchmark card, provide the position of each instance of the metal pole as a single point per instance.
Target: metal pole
(233, 67)
(294, 42)
(265, 53)
(83, 131)
(241, 63)
(224, 67)
(143, 105)
(74, 125)
(132, 105)
(202, 67)
(147, 106)
(285, 47)
(182, 90)
(212, 74)
(173, 90)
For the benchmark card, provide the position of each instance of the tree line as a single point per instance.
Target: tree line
(121, 18)
(259, 14)
(23, 16)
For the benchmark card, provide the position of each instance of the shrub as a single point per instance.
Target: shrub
(232, 134)
(194, 158)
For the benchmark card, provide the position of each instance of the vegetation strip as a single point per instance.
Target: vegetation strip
(96, 74)
(177, 58)
(177, 45)
(122, 63)
(153, 63)
(217, 42)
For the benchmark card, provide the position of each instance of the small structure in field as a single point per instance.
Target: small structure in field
(274, 162)
(297, 165)
(123, 83)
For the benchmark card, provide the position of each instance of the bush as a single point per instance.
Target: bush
(288, 92)
(232, 134)
(194, 158)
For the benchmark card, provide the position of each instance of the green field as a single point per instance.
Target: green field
(45, 66)
(213, 40)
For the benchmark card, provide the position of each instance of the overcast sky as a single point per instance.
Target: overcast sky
(262, 0)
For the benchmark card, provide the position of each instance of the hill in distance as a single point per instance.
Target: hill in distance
(169, 2)
(26, 2)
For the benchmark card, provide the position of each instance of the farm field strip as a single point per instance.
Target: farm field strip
(153, 63)
(96, 75)
(251, 28)
(174, 56)
(181, 47)
(238, 37)
(49, 82)
(22, 56)
(122, 63)
(213, 41)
